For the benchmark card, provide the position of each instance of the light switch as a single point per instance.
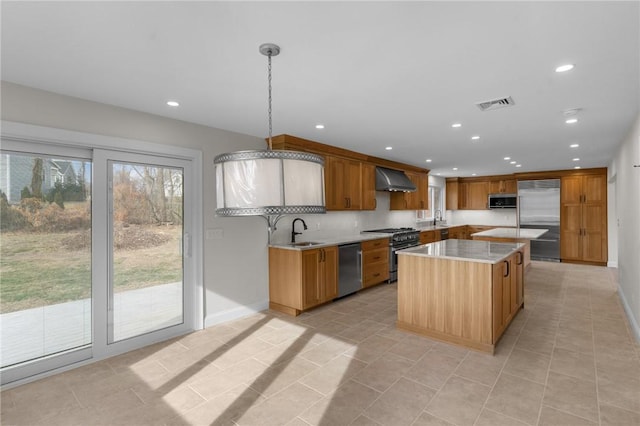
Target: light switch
(215, 234)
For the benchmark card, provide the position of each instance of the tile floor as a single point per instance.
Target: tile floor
(567, 359)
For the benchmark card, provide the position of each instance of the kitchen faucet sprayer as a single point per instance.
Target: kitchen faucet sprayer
(293, 229)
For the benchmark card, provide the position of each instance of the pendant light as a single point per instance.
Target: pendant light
(269, 183)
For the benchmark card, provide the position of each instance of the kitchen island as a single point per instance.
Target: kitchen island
(512, 235)
(461, 291)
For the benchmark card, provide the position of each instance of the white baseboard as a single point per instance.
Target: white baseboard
(612, 264)
(235, 313)
(635, 329)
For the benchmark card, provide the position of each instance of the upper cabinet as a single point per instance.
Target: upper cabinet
(368, 186)
(452, 194)
(418, 200)
(503, 186)
(350, 177)
(342, 183)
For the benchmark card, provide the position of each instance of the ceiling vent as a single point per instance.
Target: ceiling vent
(495, 104)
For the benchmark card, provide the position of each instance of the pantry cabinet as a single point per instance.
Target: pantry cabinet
(583, 218)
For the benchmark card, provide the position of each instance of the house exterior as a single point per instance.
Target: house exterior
(16, 171)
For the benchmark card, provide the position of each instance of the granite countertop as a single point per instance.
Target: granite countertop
(467, 250)
(527, 234)
(333, 241)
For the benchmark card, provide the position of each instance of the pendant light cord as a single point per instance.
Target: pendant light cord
(270, 125)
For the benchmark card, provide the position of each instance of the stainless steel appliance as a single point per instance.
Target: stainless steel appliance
(539, 207)
(349, 269)
(400, 238)
(503, 201)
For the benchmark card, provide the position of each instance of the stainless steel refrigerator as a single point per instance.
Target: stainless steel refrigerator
(539, 207)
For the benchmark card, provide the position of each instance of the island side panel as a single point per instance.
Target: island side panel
(450, 300)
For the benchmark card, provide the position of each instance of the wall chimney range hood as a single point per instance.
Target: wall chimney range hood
(393, 180)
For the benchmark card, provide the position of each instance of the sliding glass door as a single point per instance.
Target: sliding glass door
(95, 254)
(146, 205)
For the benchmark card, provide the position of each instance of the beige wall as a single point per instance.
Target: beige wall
(626, 179)
(235, 267)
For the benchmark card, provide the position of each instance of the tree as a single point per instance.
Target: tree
(25, 193)
(37, 177)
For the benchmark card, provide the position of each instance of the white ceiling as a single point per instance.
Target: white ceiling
(375, 74)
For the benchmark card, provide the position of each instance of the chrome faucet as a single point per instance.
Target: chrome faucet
(437, 215)
(293, 229)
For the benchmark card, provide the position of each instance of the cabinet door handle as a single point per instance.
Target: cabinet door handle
(507, 273)
(375, 203)
(520, 258)
(346, 202)
(376, 275)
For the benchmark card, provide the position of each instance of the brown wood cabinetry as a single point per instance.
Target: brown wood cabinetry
(302, 279)
(583, 218)
(452, 194)
(478, 195)
(375, 261)
(418, 200)
(462, 302)
(427, 237)
(503, 186)
(508, 291)
(343, 183)
(458, 233)
(368, 186)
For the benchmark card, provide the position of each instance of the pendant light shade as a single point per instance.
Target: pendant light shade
(269, 183)
(262, 183)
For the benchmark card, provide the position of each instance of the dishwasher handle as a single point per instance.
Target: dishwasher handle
(360, 271)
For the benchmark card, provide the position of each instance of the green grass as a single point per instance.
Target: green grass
(36, 270)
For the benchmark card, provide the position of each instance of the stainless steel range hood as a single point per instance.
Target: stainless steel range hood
(393, 180)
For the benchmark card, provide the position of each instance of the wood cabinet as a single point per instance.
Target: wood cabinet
(368, 186)
(375, 261)
(462, 302)
(503, 186)
(583, 218)
(427, 237)
(458, 233)
(508, 291)
(451, 191)
(302, 279)
(418, 200)
(472, 195)
(343, 183)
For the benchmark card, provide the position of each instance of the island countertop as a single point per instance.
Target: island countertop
(466, 250)
(522, 233)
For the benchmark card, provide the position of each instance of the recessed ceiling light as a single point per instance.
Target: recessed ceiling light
(576, 159)
(574, 145)
(428, 160)
(319, 126)
(455, 168)
(438, 174)
(565, 68)
(518, 165)
(456, 125)
(512, 162)
(576, 167)
(507, 158)
(475, 138)
(389, 148)
(473, 174)
(173, 103)
(571, 121)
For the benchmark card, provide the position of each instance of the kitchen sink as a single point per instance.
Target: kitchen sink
(304, 244)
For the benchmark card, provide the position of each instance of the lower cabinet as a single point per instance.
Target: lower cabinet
(508, 291)
(375, 261)
(427, 237)
(302, 279)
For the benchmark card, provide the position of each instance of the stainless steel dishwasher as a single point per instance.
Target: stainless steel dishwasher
(349, 269)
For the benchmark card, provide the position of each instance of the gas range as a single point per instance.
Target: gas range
(400, 237)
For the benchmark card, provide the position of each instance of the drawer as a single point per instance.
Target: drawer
(427, 237)
(375, 274)
(374, 244)
(375, 256)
